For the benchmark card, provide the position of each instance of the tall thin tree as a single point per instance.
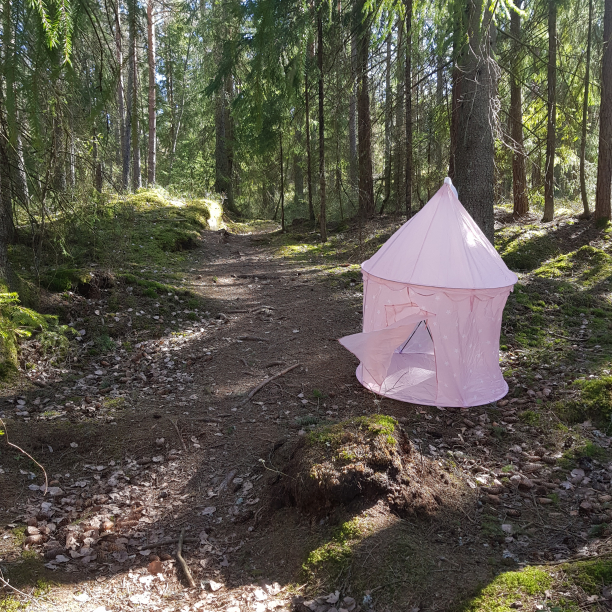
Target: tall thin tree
(322, 194)
(604, 162)
(585, 116)
(519, 169)
(364, 119)
(551, 124)
(152, 140)
(408, 95)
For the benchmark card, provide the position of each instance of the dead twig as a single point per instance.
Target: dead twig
(179, 556)
(168, 541)
(10, 586)
(26, 454)
(261, 385)
(178, 433)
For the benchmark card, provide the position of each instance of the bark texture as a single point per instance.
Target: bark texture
(364, 121)
(585, 116)
(408, 90)
(604, 163)
(152, 159)
(322, 194)
(549, 174)
(476, 90)
(519, 167)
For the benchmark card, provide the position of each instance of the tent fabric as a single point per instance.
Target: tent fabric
(441, 246)
(431, 344)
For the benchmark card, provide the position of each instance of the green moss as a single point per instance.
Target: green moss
(530, 417)
(590, 575)
(64, 279)
(587, 266)
(376, 425)
(525, 247)
(508, 588)
(333, 556)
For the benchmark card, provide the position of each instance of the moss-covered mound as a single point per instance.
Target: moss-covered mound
(362, 459)
(587, 266)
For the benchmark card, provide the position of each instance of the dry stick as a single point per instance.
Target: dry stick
(26, 454)
(10, 586)
(168, 541)
(178, 433)
(261, 385)
(179, 556)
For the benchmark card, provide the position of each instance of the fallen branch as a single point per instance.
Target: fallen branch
(166, 542)
(10, 586)
(261, 385)
(26, 454)
(178, 433)
(179, 556)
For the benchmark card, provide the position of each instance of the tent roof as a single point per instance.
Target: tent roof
(441, 246)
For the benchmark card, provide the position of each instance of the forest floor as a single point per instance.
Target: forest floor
(147, 430)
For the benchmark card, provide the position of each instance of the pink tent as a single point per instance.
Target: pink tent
(433, 298)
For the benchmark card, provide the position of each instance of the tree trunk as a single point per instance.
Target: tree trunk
(298, 172)
(97, 164)
(585, 117)
(16, 170)
(5, 216)
(476, 85)
(133, 87)
(123, 129)
(388, 124)
(311, 214)
(439, 104)
(604, 163)
(152, 115)
(519, 170)
(455, 78)
(364, 121)
(322, 217)
(399, 119)
(59, 172)
(282, 182)
(7, 226)
(408, 90)
(551, 127)
(353, 161)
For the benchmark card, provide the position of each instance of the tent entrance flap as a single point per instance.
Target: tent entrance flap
(419, 341)
(413, 367)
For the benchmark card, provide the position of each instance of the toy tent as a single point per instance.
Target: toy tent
(433, 298)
